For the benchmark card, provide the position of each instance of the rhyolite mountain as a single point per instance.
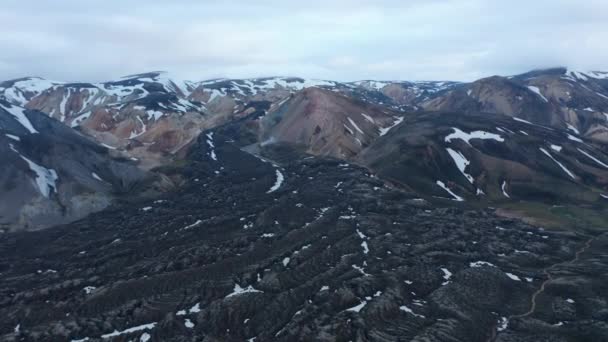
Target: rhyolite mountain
(154, 117)
(559, 98)
(311, 210)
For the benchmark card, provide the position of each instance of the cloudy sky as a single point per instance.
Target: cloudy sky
(95, 40)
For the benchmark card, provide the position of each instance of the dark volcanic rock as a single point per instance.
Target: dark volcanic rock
(309, 249)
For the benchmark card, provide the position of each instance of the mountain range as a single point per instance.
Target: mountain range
(550, 128)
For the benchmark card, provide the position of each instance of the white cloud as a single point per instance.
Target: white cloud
(342, 39)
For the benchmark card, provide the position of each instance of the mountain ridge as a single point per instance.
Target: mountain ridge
(153, 120)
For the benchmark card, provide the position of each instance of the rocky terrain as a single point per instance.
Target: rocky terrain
(286, 246)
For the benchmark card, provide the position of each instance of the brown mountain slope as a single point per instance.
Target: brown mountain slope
(326, 123)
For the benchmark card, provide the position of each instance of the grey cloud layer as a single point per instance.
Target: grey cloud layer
(343, 40)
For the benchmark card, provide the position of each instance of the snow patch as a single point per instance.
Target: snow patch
(361, 270)
(513, 276)
(522, 120)
(410, 311)
(480, 264)
(348, 129)
(398, 120)
(358, 308)
(365, 247)
(558, 163)
(536, 90)
(82, 339)
(573, 138)
(277, 183)
(444, 187)
(14, 137)
(196, 308)
(129, 330)
(62, 105)
(573, 129)
(211, 145)
(31, 85)
(467, 137)
(89, 289)
(446, 275)
(289, 83)
(214, 94)
(96, 176)
(45, 178)
(238, 290)
(154, 114)
(503, 323)
(461, 162)
(355, 125)
(593, 158)
(198, 222)
(361, 235)
(19, 114)
(368, 118)
(134, 134)
(79, 119)
(504, 189)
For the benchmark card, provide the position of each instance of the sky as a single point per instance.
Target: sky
(343, 40)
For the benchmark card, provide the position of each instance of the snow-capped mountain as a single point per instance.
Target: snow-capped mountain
(153, 116)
